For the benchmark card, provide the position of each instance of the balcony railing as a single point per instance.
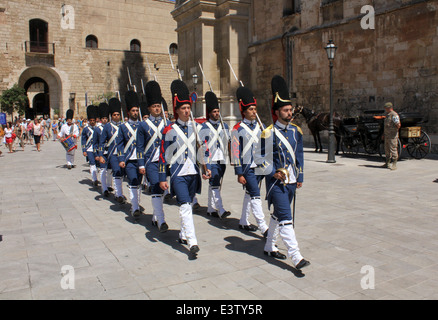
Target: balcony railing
(39, 47)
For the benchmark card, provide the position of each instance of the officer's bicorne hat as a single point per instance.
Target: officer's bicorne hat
(69, 115)
(211, 103)
(115, 106)
(144, 109)
(131, 99)
(246, 99)
(280, 95)
(92, 112)
(180, 95)
(104, 110)
(153, 93)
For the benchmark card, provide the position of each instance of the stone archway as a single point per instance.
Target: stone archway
(43, 83)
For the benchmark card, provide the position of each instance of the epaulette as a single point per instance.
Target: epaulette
(298, 128)
(168, 128)
(236, 127)
(266, 134)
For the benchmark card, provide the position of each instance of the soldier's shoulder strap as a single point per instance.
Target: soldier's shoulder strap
(298, 128)
(267, 132)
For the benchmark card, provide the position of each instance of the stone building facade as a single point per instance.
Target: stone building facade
(387, 51)
(70, 54)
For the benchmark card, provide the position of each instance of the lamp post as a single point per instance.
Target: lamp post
(195, 82)
(331, 51)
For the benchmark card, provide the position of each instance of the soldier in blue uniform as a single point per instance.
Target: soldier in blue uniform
(128, 153)
(245, 136)
(281, 161)
(215, 136)
(149, 136)
(89, 141)
(105, 168)
(108, 143)
(178, 151)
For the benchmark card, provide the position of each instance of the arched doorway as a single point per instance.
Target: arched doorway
(41, 104)
(44, 90)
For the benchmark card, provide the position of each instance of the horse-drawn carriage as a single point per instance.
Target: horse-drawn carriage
(367, 132)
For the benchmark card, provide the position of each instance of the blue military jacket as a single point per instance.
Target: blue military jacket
(127, 141)
(215, 140)
(89, 139)
(149, 135)
(244, 137)
(108, 139)
(177, 146)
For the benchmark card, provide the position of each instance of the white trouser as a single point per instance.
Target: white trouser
(215, 200)
(70, 157)
(187, 225)
(93, 171)
(105, 179)
(118, 186)
(257, 211)
(287, 234)
(134, 197)
(271, 239)
(157, 205)
(246, 210)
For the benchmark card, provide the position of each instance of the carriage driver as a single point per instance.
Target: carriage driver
(392, 125)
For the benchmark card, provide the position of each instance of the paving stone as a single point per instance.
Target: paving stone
(348, 215)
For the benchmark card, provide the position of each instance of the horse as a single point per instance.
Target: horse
(318, 122)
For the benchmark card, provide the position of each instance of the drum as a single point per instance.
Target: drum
(69, 143)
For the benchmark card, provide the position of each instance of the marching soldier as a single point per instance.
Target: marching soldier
(127, 151)
(105, 167)
(245, 135)
(391, 126)
(108, 143)
(89, 142)
(149, 135)
(178, 151)
(216, 140)
(282, 156)
(69, 129)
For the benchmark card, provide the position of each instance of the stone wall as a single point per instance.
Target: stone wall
(69, 66)
(397, 61)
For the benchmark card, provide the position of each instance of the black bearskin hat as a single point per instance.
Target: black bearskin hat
(92, 112)
(153, 93)
(104, 110)
(131, 99)
(246, 99)
(180, 95)
(211, 103)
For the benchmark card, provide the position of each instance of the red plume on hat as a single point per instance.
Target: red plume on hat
(180, 94)
(246, 99)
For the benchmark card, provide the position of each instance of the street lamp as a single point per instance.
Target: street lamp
(331, 51)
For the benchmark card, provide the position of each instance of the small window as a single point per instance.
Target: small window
(38, 36)
(135, 46)
(173, 48)
(291, 7)
(91, 42)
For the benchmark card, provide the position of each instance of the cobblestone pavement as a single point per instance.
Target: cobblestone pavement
(369, 233)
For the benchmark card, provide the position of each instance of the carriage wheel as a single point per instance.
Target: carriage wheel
(349, 148)
(420, 147)
(382, 149)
